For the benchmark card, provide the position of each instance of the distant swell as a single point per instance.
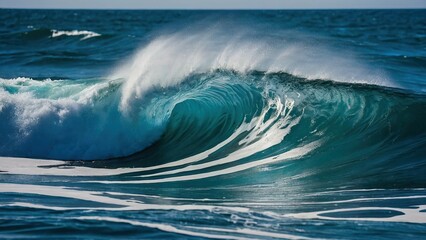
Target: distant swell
(44, 33)
(85, 34)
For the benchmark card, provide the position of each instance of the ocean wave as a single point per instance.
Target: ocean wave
(218, 84)
(227, 126)
(33, 33)
(86, 34)
(220, 119)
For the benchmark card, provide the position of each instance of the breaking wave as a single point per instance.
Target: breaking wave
(204, 87)
(211, 131)
(85, 34)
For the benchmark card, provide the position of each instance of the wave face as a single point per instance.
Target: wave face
(220, 129)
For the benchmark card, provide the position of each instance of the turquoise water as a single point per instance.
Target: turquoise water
(209, 124)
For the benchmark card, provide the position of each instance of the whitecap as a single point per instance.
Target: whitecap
(86, 34)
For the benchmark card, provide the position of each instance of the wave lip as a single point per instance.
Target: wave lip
(169, 59)
(86, 34)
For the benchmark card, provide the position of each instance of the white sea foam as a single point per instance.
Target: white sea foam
(72, 120)
(43, 167)
(414, 214)
(134, 205)
(411, 214)
(100, 197)
(292, 154)
(86, 34)
(204, 232)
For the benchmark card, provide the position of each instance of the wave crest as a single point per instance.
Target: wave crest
(170, 58)
(86, 34)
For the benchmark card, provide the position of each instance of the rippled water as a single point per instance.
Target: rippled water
(209, 124)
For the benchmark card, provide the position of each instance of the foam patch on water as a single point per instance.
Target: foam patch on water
(415, 214)
(99, 197)
(120, 202)
(203, 232)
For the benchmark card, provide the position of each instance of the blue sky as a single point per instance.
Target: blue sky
(212, 4)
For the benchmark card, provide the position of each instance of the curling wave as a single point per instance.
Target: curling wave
(212, 124)
(259, 134)
(225, 99)
(222, 125)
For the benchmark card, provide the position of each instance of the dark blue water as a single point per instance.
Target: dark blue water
(209, 124)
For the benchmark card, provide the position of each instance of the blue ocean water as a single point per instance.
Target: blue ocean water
(213, 124)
